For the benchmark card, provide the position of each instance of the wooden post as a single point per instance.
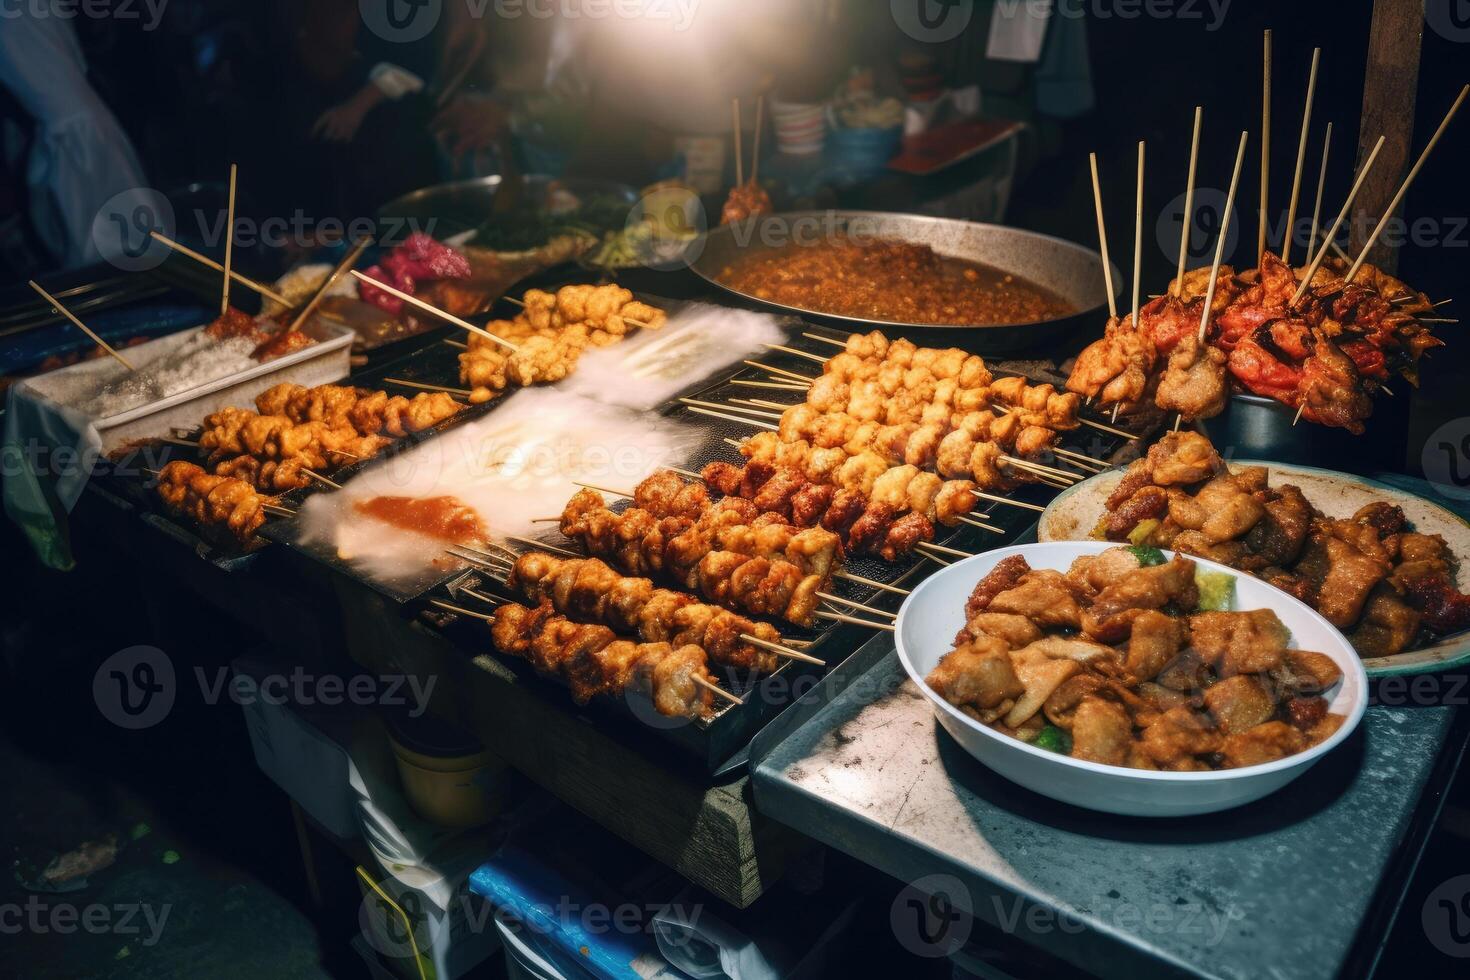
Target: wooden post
(1390, 84)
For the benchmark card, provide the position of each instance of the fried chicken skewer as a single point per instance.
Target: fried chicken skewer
(589, 591)
(638, 543)
(210, 500)
(594, 662)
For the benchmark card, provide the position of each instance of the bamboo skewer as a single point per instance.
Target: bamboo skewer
(224, 302)
(1321, 186)
(96, 338)
(782, 371)
(206, 261)
(872, 583)
(799, 353)
(1188, 223)
(425, 387)
(782, 651)
(735, 418)
(739, 163)
(760, 413)
(1341, 216)
(1204, 320)
(1301, 157)
(769, 384)
(716, 689)
(855, 605)
(826, 340)
(348, 261)
(1398, 197)
(321, 479)
(433, 310)
(1102, 238)
(1004, 500)
(755, 153)
(941, 549)
(981, 524)
(839, 618)
(1138, 235)
(1265, 146)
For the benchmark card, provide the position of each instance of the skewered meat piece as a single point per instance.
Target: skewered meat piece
(593, 662)
(1194, 383)
(379, 413)
(269, 476)
(745, 201)
(324, 403)
(209, 499)
(638, 543)
(859, 524)
(589, 590)
(551, 332)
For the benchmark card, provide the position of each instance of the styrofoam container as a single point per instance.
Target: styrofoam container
(935, 612)
(328, 360)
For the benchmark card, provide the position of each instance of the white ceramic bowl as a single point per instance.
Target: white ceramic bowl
(935, 611)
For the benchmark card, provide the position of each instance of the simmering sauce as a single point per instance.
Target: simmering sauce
(441, 518)
(891, 280)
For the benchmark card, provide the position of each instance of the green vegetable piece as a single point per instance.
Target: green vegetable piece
(1147, 555)
(1216, 590)
(1054, 739)
(1145, 529)
(170, 857)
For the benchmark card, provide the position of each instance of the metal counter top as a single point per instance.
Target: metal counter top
(1303, 884)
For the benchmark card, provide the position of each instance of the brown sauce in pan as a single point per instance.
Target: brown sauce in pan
(891, 280)
(441, 518)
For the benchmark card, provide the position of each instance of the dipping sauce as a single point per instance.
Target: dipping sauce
(891, 280)
(441, 518)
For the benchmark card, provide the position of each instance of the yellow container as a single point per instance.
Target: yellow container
(453, 782)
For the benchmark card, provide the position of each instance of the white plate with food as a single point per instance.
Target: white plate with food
(1129, 680)
(1397, 597)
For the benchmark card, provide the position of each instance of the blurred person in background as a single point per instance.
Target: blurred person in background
(75, 155)
(375, 117)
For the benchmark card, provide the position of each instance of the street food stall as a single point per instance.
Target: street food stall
(1070, 610)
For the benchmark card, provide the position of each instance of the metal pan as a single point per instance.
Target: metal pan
(1071, 271)
(446, 210)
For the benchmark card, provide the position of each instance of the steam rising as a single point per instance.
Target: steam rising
(652, 367)
(521, 462)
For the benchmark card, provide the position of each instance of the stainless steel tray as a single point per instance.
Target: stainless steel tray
(325, 361)
(1069, 270)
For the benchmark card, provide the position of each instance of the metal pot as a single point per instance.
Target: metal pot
(1254, 427)
(1071, 271)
